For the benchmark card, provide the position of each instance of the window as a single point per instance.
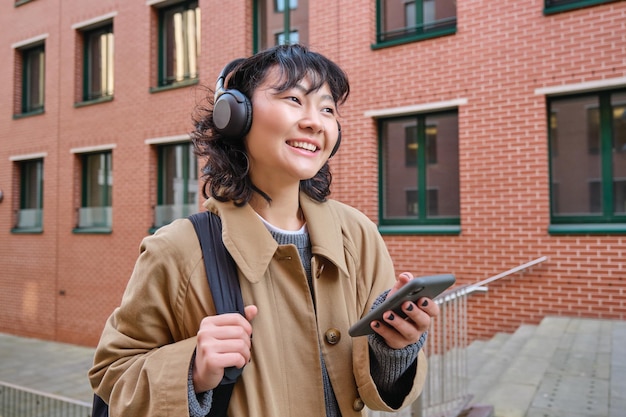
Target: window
(555, 6)
(178, 183)
(588, 158)
(98, 63)
(33, 79)
(274, 26)
(179, 43)
(30, 214)
(95, 213)
(419, 173)
(400, 21)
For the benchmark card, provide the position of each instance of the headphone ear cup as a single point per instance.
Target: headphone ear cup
(232, 114)
(336, 148)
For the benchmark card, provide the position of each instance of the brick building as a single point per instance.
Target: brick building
(478, 135)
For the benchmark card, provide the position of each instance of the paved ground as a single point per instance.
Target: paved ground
(562, 368)
(55, 368)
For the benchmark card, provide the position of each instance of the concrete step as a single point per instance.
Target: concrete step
(494, 360)
(513, 389)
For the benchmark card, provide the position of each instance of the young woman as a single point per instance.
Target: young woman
(309, 267)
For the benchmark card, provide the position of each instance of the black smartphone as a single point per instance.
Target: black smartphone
(427, 286)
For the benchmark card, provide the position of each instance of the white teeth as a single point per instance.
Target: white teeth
(304, 145)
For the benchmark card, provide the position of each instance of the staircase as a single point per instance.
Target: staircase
(563, 367)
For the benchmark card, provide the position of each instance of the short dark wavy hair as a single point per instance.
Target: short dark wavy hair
(226, 169)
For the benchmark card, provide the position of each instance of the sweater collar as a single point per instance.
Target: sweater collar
(252, 246)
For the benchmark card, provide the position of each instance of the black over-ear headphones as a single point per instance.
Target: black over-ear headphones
(232, 110)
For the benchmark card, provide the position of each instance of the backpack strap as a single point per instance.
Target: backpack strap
(223, 280)
(221, 272)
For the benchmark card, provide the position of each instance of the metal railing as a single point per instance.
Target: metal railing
(16, 401)
(446, 393)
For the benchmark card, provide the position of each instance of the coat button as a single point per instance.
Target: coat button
(333, 336)
(358, 404)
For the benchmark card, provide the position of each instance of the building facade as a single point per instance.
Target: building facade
(478, 136)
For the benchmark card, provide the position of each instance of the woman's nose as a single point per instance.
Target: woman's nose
(311, 119)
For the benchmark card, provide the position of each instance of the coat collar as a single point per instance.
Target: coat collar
(252, 246)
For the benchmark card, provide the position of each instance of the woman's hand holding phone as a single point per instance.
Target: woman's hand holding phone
(407, 311)
(400, 332)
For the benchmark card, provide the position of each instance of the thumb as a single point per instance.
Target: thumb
(251, 312)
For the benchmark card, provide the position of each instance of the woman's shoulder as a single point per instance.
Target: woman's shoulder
(175, 238)
(352, 218)
(348, 211)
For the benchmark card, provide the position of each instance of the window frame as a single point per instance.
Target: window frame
(608, 221)
(26, 107)
(558, 6)
(286, 30)
(447, 28)
(163, 82)
(422, 224)
(107, 197)
(88, 95)
(24, 186)
(186, 207)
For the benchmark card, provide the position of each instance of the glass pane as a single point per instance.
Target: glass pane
(442, 167)
(280, 4)
(34, 76)
(179, 195)
(98, 180)
(273, 24)
(171, 176)
(99, 71)
(181, 43)
(400, 193)
(179, 175)
(577, 166)
(192, 175)
(401, 18)
(618, 107)
(32, 184)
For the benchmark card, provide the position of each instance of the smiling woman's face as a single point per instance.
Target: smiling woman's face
(293, 132)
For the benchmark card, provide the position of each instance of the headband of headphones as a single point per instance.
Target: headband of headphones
(232, 110)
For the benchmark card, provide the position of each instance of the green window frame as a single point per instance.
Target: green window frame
(557, 6)
(98, 70)
(30, 214)
(177, 190)
(272, 26)
(587, 149)
(33, 79)
(179, 44)
(419, 185)
(403, 21)
(95, 213)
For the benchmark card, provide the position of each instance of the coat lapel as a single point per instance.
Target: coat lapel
(253, 247)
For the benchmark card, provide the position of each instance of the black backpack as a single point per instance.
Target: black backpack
(224, 283)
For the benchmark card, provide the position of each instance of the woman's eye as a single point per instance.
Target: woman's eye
(294, 99)
(329, 110)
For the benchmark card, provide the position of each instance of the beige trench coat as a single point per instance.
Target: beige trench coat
(142, 361)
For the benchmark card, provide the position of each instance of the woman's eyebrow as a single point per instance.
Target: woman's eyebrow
(305, 91)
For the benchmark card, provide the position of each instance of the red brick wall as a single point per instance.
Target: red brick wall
(60, 285)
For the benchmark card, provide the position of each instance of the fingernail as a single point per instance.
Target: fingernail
(410, 307)
(424, 303)
(377, 325)
(391, 316)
